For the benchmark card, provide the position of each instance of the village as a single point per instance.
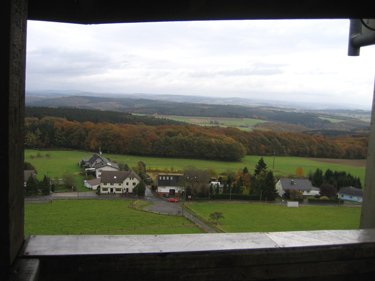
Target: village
(110, 180)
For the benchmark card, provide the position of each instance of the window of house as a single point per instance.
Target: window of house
(105, 189)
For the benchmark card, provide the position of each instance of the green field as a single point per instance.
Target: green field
(104, 217)
(61, 161)
(257, 217)
(282, 166)
(246, 124)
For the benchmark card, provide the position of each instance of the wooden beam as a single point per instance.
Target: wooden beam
(13, 14)
(112, 11)
(368, 205)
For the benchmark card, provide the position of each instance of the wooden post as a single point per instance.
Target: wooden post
(368, 205)
(13, 19)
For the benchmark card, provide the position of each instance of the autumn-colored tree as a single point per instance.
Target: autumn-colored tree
(299, 172)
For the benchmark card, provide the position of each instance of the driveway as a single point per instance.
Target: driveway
(162, 206)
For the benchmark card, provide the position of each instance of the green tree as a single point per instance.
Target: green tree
(28, 166)
(31, 186)
(245, 171)
(215, 216)
(140, 189)
(45, 185)
(317, 178)
(260, 166)
(268, 190)
(68, 179)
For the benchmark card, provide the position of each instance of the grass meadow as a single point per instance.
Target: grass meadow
(246, 124)
(115, 217)
(282, 166)
(61, 161)
(99, 217)
(258, 217)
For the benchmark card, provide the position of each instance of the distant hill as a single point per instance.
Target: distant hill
(343, 120)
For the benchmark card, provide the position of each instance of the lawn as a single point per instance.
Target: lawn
(282, 166)
(61, 161)
(57, 163)
(257, 217)
(246, 124)
(104, 217)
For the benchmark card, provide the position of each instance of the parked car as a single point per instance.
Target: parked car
(172, 200)
(166, 195)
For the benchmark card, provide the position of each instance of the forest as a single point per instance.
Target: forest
(47, 131)
(309, 120)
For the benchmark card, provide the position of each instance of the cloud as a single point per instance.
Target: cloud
(293, 59)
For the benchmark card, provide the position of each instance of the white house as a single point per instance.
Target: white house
(302, 185)
(96, 164)
(350, 193)
(105, 166)
(117, 182)
(169, 184)
(92, 184)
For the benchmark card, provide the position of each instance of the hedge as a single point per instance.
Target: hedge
(234, 196)
(324, 201)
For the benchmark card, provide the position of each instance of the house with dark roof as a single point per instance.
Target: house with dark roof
(350, 193)
(97, 164)
(117, 182)
(169, 184)
(302, 185)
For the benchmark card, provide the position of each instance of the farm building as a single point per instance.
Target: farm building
(169, 184)
(92, 184)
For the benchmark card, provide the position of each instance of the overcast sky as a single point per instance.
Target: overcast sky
(294, 60)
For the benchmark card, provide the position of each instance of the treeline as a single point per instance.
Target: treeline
(97, 116)
(186, 141)
(337, 179)
(350, 146)
(163, 141)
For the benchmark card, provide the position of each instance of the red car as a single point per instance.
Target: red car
(172, 200)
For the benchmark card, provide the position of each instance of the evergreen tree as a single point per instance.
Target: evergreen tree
(260, 166)
(140, 189)
(317, 178)
(31, 186)
(269, 191)
(45, 185)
